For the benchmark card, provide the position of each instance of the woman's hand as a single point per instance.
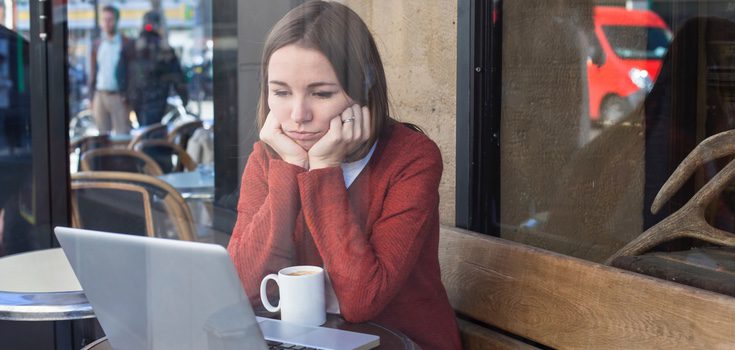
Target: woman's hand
(287, 149)
(347, 132)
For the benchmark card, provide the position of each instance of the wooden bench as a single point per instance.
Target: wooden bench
(497, 286)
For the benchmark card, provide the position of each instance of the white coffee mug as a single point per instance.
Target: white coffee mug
(301, 290)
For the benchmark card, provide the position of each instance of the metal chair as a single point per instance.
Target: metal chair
(88, 143)
(83, 144)
(181, 133)
(129, 203)
(151, 132)
(115, 159)
(169, 157)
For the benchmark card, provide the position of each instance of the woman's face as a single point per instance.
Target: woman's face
(304, 94)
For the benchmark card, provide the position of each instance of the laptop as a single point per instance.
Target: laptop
(161, 294)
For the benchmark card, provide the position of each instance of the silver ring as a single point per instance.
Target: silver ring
(348, 120)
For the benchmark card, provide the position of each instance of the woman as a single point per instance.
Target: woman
(336, 182)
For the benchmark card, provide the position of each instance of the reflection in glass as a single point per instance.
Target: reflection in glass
(633, 42)
(140, 76)
(692, 100)
(653, 99)
(16, 193)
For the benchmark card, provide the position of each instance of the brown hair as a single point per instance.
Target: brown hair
(339, 34)
(115, 12)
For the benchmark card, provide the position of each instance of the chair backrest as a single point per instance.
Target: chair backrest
(181, 133)
(116, 159)
(150, 132)
(83, 144)
(88, 143)
(168, 156)
(130, 203)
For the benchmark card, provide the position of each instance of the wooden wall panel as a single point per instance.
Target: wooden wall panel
(568, 303)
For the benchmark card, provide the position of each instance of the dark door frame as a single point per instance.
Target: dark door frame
(49, 136)
(49, 120)
(479, 44)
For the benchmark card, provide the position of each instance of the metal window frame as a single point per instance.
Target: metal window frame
(479, 44)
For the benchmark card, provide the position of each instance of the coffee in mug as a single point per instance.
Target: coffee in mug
(301, 290)
(301, 273)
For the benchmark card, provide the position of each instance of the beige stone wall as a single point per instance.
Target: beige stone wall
(418, 44)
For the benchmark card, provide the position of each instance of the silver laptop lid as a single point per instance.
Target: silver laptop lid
(151, 293)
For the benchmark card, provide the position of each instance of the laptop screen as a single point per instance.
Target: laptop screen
(153, 293)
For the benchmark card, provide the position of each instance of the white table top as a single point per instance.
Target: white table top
(39, 271)
(40, 286)
(188, 180)
(191, 184)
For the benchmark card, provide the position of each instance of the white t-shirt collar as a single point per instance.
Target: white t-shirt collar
(351, 170)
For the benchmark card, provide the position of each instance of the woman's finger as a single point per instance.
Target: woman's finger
(348, 125)
(359, 130)
(365, 121)
(346, 115)
(356, 123)
(335, 128)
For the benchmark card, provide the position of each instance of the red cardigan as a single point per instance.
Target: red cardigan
(378, 240)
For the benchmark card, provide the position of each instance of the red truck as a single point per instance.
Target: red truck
(634, 43)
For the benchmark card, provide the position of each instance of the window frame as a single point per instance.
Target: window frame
(478, 115)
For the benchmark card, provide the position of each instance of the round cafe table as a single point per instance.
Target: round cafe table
(389, 339)
(40, 286)
(197, 184)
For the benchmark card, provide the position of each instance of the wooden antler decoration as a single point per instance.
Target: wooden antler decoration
(689, 220)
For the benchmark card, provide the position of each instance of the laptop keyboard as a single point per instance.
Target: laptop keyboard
(274, 345)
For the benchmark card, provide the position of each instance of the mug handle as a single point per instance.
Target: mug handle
(264, 294)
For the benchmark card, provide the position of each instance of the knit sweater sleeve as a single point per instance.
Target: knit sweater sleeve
(262, 239)
(369, 268)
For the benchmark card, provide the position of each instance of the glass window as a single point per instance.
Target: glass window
(141, 106)
(17, 204)
(599, 106)
(162, 93)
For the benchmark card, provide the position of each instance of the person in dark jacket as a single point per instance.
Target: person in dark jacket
(154, 71)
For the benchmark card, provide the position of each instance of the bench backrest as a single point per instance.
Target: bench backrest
(568, 303)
